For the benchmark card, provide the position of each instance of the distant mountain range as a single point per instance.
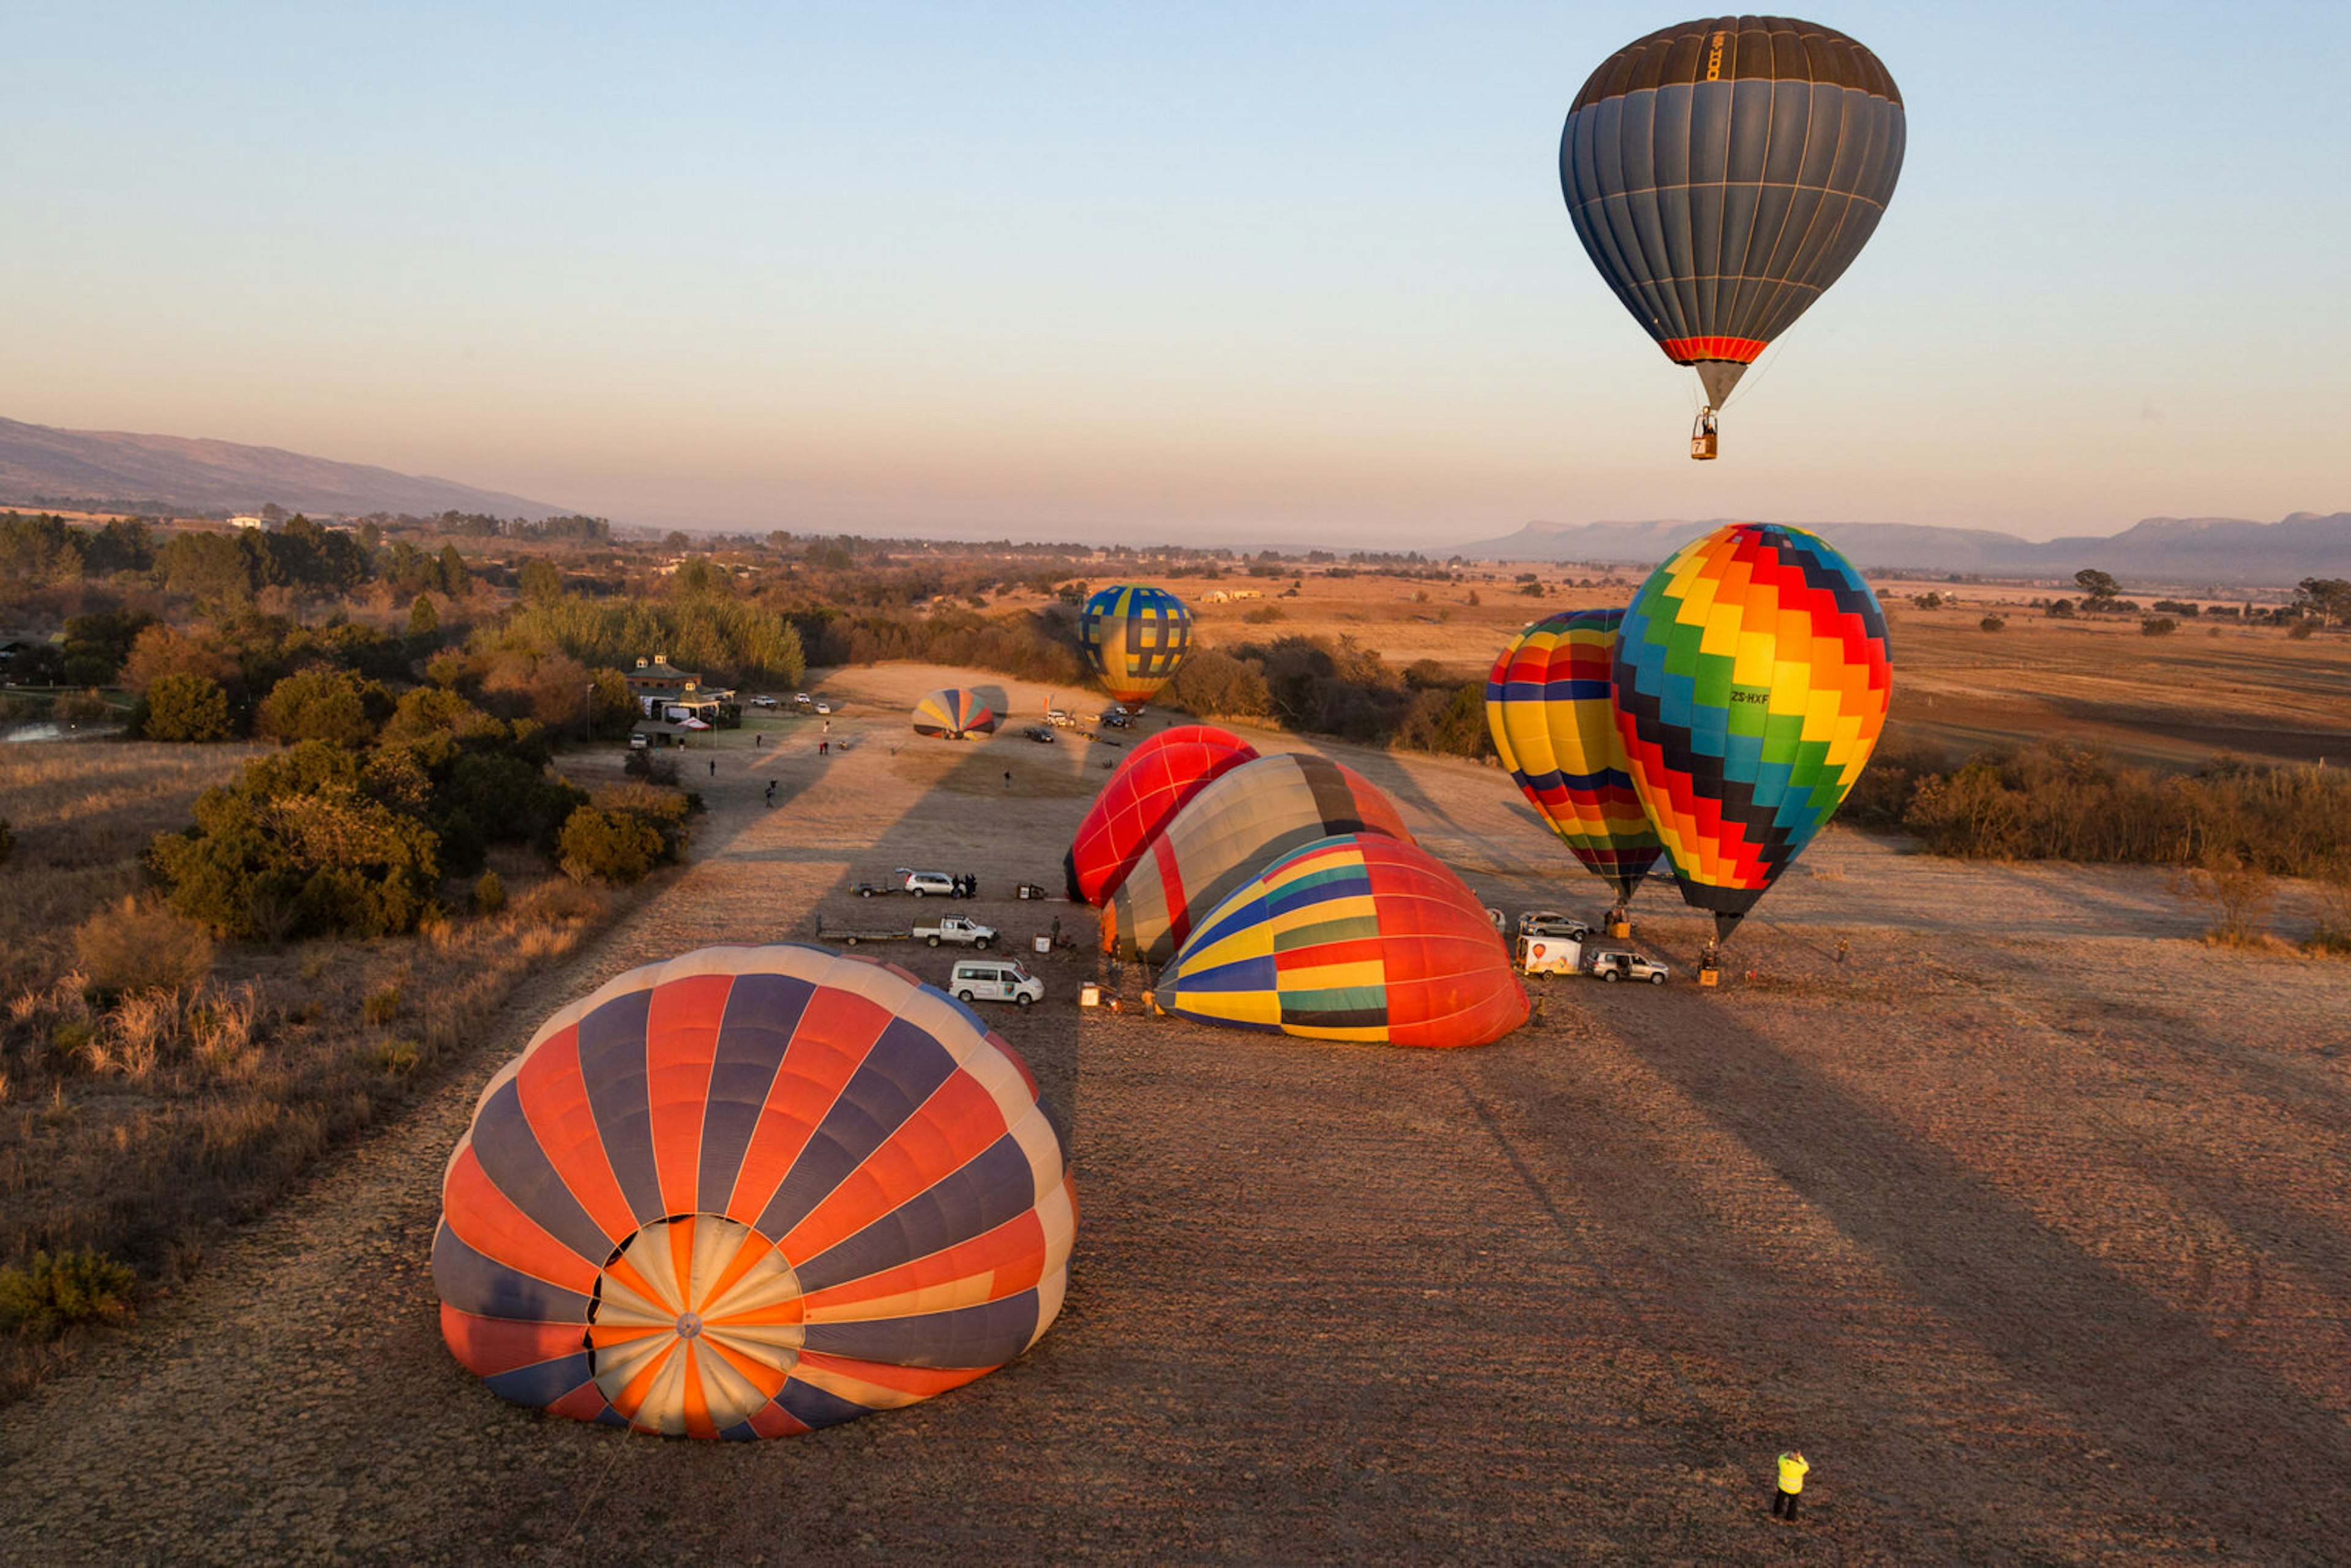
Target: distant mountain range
(2166, 552)
(107, 469)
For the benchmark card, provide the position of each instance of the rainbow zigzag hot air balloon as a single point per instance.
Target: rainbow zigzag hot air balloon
(1358, 937)
(1751, 683)
(750, 1192)
(1722, 173)
(1551, 703)
(1135, 637)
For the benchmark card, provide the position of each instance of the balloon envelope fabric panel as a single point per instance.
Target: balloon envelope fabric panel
(1226, 835)
(1752, 679)
(1135, 637)
(1722, 173)
(749, 1192)
(953, 713)
(1551, 705)
(1356, 937)
(1150, 786)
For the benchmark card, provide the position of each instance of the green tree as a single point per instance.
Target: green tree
(97, 645)
(598, 845)
(333, 705)
(39, 551)
(2328, 597)
(125, 544)
(423, 621)
(185, 707)
(2096, 585)
(211, 568)
(299, 847)
(541, 580)
(613, 709)
(702, 576)
(455, 581)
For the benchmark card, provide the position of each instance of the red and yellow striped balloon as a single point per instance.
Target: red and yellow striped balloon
(1551, 705)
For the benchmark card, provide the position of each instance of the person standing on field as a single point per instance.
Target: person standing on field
(1792, 1466)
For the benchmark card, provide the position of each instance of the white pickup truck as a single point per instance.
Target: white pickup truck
(959, 930)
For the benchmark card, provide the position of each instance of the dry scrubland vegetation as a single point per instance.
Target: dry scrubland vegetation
(190, 1018)
(157, 1083)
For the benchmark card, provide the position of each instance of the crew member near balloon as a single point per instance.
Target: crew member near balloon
(1721, 174)
(1792, 1466)
(1751, 683)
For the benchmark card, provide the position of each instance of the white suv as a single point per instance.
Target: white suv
(919, 882)
(998, 981)
(1620, 964)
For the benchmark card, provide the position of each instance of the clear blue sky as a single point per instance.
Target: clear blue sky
(1217, 271)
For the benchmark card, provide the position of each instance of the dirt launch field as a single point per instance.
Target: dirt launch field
(2018, 1208)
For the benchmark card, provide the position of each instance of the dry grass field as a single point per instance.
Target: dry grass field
(2026, 1219)
(2160, 702)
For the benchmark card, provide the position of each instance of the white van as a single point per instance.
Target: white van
(994, 980)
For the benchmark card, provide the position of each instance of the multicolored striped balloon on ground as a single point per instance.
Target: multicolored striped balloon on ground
(750, 1192)
(1359, 937)
(1135, 637)
(953, 713)
(1155, 781)
(1751, 683)
(1226, 834)
(1551, 705)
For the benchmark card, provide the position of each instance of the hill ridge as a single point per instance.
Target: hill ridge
(45, 466)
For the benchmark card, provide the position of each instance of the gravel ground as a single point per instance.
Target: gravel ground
(2027, 1220)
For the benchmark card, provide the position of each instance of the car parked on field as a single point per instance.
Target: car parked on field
(1551, 923)
(1116, 718)
(824, 707)
(994, 980)
(957, 929)
(763, 702)
(920, 883)
(1623, 964)
(1059, 718)
(1038, 733)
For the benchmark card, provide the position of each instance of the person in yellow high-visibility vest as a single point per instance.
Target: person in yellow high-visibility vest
(1792, 1466)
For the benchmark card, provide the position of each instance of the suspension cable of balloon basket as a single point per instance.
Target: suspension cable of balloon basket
(1748, 383)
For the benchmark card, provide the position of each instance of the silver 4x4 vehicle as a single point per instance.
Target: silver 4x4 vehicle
(1623, 963)
(919, 882)
(1551, 923)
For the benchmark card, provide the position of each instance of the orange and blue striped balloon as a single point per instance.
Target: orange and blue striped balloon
(750, 1192)
(1551, 705)
(1355, 938)
(1752, 679)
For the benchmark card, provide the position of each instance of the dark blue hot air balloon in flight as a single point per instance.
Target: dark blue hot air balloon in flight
(1721, 174)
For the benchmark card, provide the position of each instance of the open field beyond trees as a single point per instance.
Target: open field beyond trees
(2025, 1219)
